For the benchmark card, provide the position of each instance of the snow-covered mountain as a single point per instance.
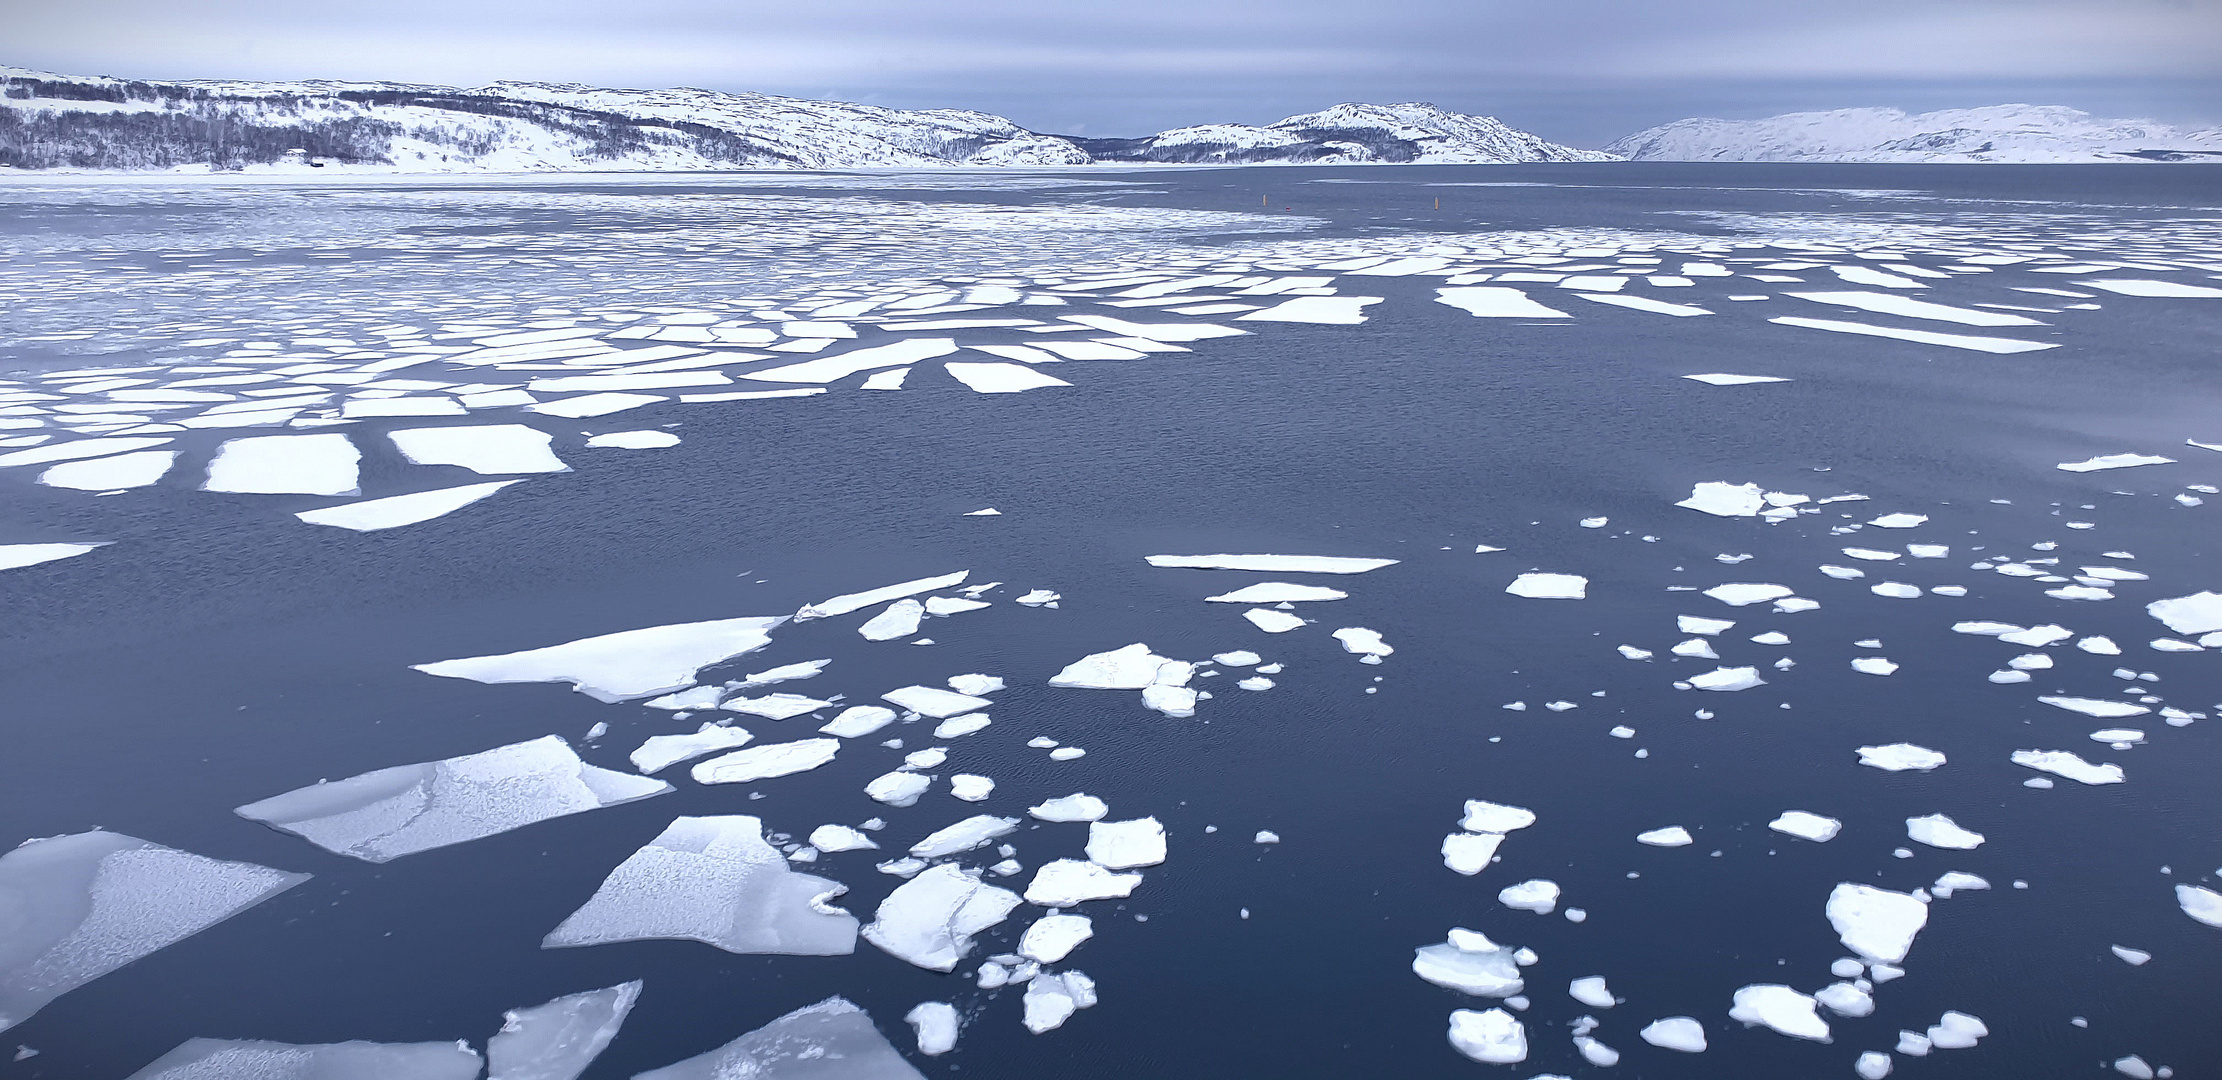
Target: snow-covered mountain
(81, 122)
(1998, 133)
(1413, 132)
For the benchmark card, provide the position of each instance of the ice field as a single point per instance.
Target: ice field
(1527, 621)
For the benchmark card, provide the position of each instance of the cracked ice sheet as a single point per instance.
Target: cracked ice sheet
(713, 880)
(246, 1059)
(627, 664)
(80, 906)
(383, 815)
(372, 515)
(1272, 564)
(493, 449)
(930, 919)
(557, 1040)
(285, 465)
(1924, 337)
(832, 1040)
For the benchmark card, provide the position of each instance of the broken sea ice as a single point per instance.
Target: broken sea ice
(832, 1040)
(714, 880)
(627, 664)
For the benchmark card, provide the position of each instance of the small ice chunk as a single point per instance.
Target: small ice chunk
(1741, 593)
(717, 881)
(930, 919)
(2134, 1067)
(1492, 1037)
(489, 450)
(1067, 753)
(1681, 1033)
(388, 813)
(1728, 679)
(1671, 836)
(1272, 622)
(2100, 708)
(2037, 637)
(1900, 757)
(1899, 521)
(1872, 1065)
(1878, 924)
(77, 907)
(975, 685)
(1896, 590)
(1693, 624)
(1873, 665)
(1067, 882)
(848, 602)
(899, 620)
(766, 761)
(1495, 817)
(2064, 764)
(1596, 1053)
(898, 788)
(1052, 999)
(633, 440)
(559, 1039)
(939, 704)
(1039, 597)
(1363, 642)
(1277, 592)
(973, 832)
(660, 752)
(2132, 957)
(1265, 837)
(935, 1023)
(958, 726)
(858, 721)
(831, 1039)
(1469, 963)
(840, 838)
(1549, 586)
(1806, 826)
(1123, 845)
(1633, 653)
(1939, 831)
(1780, 1008)
(1913, 1044)
(971, 787)
(1052, 937)
(1240, 658)
(1722, 499)
(1074, 807)
(2204, 905)
(1469, 853)
(1590, 990)
(774, 706)
(1273, 564)
(1536, 895)
(1956, 1031)
(1133, 667)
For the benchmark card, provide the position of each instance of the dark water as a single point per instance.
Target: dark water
(221, 652)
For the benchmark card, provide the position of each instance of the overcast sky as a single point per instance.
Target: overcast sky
(1574, 71)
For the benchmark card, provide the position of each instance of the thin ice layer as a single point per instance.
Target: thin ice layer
(832, 1040)
(930, 919)
(559, 1039)
(76, 907)
(628, 664)
(714, 880)
(383, 815)
(244, 1059)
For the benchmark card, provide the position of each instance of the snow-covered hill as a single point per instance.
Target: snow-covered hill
(80, 122)
(1998, 133)
(1350, 133)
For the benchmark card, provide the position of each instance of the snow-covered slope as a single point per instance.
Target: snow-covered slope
(1414, 132)
(1998, 133)
(49, 120)
(80, 122)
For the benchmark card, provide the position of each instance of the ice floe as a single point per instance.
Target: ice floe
(1728, 679)
(714, 880)
(1469, 963)
(2064, 764)
(285, 465)
(1277, 592)
(1000, 378)
(2113, 461)
(832, 1039)
(395, 511)
(1806, 825)
(1744, 594)
(1067, 882)
(1052, 999)
(1900, 757)
(488, 450)
(1878, 924)
(1549, 586)
(2198, 613)
(77, 907)
(1492, 1037)
(557, 1040)
(1123, 845)
(1074, 807)
(1681, 1033)
(930, 920)
(935, 1023)
(1053, 937)
(937, 703)
(2098, 707)
(1724, 379)
(1781, 1009)
(616, 667)
(1536, 895)
(16, 556)
(383, 815)
(1671, 836)
(115, 473)
(900, 619)
(1496, 302)
(1272, 622)
(2205, 905)
(858, 721)
(247, 1059)
(660, 752)
(1939, 831)
(973, 832)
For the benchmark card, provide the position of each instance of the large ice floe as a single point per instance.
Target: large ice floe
(717, 881)
(285, 465)
(559, 1039)
(76, 907)
(383, 815)
(624, 665)
(238, 1059)
(930, 919)
(832, 1040)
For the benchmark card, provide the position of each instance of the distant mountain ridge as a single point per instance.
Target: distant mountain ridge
(1996, 134)
(100, 123)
